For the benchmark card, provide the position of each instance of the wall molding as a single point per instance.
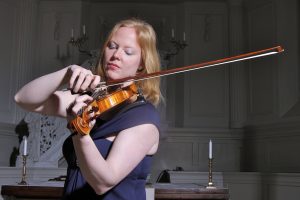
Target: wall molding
(188, 148)
(274, 130)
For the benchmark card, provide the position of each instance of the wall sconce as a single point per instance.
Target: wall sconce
(177, 45)
(80, 41)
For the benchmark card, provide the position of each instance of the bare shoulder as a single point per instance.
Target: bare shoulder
(143, 138)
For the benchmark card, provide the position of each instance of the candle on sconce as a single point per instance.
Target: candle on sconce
(210, 150)
(83, 30)
(25, 145)
(72, 33)
(173, 33)
(184, 36)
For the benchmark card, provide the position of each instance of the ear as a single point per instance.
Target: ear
(140, 68)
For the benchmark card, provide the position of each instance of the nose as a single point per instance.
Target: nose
(117, 54)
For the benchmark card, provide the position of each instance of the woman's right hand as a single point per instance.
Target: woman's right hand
(81, 79)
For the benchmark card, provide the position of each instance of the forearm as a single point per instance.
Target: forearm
(93, 166)
(36, 92)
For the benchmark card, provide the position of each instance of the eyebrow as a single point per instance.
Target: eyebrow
(126, 46)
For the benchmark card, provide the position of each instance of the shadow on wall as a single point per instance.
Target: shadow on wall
(21, 130)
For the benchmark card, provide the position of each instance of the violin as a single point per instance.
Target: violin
(104, 101)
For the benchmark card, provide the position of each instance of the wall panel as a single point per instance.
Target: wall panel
(9, 57)
(206, 90)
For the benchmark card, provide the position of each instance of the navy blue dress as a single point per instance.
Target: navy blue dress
(130, 188)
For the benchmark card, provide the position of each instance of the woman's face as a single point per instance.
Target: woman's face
(122, 54)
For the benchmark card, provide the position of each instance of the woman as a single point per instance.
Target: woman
(113, 161)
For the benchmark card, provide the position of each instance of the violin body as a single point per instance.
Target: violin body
(100, 105)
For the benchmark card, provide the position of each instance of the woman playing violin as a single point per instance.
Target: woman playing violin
(113, 161)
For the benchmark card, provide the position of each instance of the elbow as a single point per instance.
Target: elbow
(17, 99)
(102, 189)
(102, 183)
(23, 103)
(20, 100)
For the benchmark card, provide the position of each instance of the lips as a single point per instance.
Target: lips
(112, 66)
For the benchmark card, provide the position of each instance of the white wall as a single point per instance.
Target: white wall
(16, 61)
(272, 130)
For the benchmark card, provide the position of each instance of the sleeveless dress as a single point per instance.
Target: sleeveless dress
(131, 187)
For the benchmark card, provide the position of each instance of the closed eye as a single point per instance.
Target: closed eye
(112, 45)
(129, 51)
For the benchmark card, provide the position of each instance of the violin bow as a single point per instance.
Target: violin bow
(241, 57)
(81, 125)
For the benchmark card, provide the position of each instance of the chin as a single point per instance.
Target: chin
(112, 76)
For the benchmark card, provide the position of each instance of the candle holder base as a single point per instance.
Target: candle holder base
(211, 186)
(23, 180)
(23, 183)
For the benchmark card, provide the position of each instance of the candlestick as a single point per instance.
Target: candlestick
(23, 180)
(80, 41)
(210, 163)
(210, 184)
(177, 46)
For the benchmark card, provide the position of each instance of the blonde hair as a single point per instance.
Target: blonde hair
(146, 38)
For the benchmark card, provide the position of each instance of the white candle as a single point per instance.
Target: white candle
(72, 33)
(173, 33)
(83, 29)
(25, 145)
(210, 150)
(183, 36)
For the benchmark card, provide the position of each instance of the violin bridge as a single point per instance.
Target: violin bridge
(100, 92)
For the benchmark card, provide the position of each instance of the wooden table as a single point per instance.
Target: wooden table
(162, 192)
(188, 192)
(32, 192)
